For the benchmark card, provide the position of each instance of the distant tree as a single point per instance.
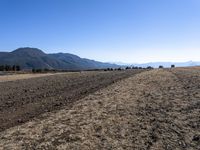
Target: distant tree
(2, 68)
(109, 69)
(33, 70)
(38, 70)
(14, 68)
(7, 68)
(46, 70)
(135, 67)
(161, 67)
(119, 69)
(18, 68)
(128, 68)
(172, 66)
(149, 67)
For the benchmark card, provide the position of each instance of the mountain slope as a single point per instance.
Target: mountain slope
(29, 58)
(81, 63)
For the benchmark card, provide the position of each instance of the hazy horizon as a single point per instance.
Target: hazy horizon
(128, 31)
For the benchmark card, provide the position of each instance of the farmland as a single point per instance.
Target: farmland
(134, 109)
(35, 94)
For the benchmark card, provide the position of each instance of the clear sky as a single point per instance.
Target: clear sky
(105, 30)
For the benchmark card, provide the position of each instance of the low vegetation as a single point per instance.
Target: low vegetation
(172, 66)
(10, 68)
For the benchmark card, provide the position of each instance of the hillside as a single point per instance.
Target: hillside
(29, 58)
(73, 61)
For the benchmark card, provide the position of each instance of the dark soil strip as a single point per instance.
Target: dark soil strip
(22, 100)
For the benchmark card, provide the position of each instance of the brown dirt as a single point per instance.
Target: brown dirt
(15, 77)
(158, 109)
(22, 100)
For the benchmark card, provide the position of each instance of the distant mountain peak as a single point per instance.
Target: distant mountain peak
(29, 58)
(28, 49)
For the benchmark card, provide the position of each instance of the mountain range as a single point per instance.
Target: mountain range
(164, 64)
(168, 64)
(29, 58)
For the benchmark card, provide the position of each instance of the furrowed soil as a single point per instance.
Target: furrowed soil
(22, 100)
(157, 109)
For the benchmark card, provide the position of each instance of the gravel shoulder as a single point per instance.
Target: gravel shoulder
(158, 109)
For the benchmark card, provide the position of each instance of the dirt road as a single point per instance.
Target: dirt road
(158, 109)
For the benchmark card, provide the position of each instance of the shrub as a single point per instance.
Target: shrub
(14, 68)
(135, 67)
(149, 67)
(46, 70)
(18, 68)
(33, 70)
(172, 66)
(2, 68)
(128, 68)
(38, 70)
(10, 68)
(119, 69)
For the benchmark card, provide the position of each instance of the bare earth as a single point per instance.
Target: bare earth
(23, 76)
(23, 100)
(158, 109)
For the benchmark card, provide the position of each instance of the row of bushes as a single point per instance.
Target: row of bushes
(18, 68)
(46, 70)
(107, 69)
(43, 70)
(127, 68)
(10, 68)
(134, 67)
(172, 66)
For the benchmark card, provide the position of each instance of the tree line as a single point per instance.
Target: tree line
(10, 68)
(18, 68)
(128, 68)
(135, 67)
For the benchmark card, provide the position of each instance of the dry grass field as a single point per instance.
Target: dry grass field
(157, 109)
(15, 77)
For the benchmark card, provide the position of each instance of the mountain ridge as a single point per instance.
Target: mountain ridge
(34, 58)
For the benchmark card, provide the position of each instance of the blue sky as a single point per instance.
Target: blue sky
(105, 30)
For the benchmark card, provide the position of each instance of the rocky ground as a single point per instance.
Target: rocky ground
(158, 109)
